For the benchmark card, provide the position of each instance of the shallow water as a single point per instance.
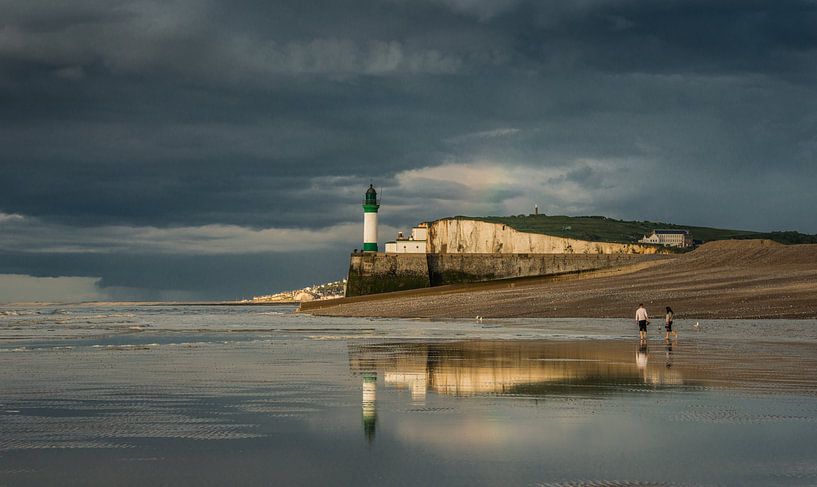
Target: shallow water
(257, 395)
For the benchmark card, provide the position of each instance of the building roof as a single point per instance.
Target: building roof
(672, 232)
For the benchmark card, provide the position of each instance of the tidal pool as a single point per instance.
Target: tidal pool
(135, 395)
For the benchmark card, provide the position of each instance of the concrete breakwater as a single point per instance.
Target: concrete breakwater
(373, 273)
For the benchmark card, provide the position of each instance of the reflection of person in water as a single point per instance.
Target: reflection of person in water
(641, 356)
(369, 404)
(669, 354)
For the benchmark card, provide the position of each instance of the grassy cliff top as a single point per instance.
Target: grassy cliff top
(603, 229)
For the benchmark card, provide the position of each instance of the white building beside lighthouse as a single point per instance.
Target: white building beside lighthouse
(417, 243)
(370, 206)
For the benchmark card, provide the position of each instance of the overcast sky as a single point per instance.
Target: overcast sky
(206, 149)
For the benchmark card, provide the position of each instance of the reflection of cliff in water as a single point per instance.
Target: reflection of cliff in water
(516, 367)
(509, 367)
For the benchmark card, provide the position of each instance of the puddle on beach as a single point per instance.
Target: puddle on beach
(259, 396)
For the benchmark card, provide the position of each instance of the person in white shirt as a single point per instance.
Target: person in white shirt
(643, 319)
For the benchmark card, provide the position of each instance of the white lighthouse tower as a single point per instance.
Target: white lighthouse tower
(370, 207)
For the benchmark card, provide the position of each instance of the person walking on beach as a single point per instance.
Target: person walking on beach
(668, 324)
(643, 319)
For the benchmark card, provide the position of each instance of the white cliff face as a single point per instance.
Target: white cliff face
(456, 236)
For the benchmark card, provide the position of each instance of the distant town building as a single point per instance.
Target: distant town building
(670, 238)
(417, 243)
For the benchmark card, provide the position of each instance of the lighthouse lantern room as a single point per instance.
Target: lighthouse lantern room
(370, 206)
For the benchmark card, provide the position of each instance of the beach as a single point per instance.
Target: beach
(255, 395)
(751, 279)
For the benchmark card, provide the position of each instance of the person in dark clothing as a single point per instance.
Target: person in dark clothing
(668, 324)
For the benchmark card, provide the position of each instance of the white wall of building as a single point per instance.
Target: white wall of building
(416, 244)
(406, 247)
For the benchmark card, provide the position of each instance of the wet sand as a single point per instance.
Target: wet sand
(732, 279)
(183, 395)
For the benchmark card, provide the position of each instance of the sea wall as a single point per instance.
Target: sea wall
(373, 273)
(461, 236)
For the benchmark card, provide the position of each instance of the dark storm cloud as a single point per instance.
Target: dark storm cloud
(272, 116)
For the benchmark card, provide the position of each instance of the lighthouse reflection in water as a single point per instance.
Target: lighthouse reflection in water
(505, 367)
(520, 368)
(369, 404)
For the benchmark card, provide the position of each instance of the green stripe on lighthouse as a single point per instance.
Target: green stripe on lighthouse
(370, 208)
(370, 247)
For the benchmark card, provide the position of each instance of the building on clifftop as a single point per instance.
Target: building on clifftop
(670, 238)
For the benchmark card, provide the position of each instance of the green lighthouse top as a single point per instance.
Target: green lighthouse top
(371, 202)
(371, 195)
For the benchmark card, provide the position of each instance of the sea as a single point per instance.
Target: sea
(131, 394)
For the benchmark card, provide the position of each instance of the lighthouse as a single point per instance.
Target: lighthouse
(370, 207)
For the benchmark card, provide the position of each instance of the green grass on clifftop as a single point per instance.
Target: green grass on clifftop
(603, 229)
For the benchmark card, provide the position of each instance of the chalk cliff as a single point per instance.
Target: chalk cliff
(461, 236)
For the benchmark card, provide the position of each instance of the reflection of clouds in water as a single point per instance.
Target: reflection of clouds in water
(113, 420)
(92, 395)
(474, 432)
(518, 429)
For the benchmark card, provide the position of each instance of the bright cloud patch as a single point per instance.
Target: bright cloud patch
(487, 187)
(6, 217)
